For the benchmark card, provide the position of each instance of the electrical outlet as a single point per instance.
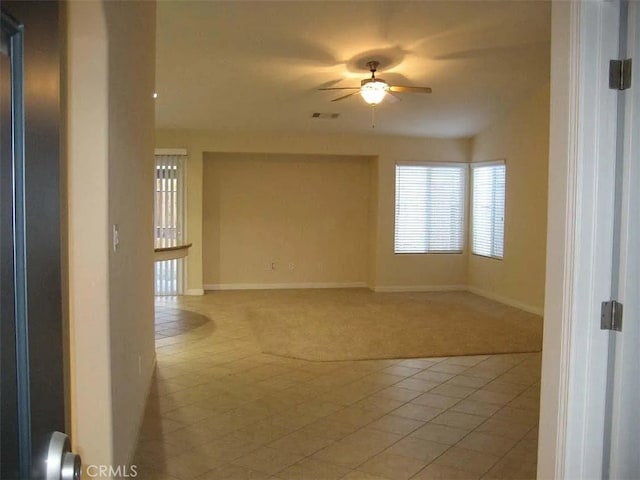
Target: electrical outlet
(292, 266)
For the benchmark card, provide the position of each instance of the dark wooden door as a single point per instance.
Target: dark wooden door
(32, 333)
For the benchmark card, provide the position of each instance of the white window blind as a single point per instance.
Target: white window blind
(430, 201)
(488, 209)
(169, 221)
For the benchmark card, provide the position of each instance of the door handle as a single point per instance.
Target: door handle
(62, 463)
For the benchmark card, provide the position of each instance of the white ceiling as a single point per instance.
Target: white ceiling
(243, 66)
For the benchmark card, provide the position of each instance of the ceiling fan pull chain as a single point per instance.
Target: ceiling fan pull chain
(373, 116)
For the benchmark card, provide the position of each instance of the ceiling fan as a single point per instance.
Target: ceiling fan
(373, 90)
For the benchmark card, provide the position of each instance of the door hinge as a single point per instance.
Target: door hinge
(611, 316)
(620, 74)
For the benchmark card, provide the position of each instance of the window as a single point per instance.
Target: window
(430, 201)
(169, 221)
(488, 209)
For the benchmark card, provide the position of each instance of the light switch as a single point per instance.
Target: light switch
(116, 237)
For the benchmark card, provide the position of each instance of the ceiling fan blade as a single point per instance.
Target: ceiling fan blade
(344, 96)
(403, 89)
(340, 88)
(393, 98)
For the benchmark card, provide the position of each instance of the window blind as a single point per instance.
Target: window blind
(169, 221)
(488, 209)
(430, 201)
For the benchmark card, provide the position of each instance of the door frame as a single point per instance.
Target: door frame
(579, 239)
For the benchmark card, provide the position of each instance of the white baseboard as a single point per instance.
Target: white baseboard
(194, 291)
(280, 286)
(506, 301)
(419, 288)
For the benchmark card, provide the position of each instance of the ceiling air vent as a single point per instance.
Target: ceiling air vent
(330, 116)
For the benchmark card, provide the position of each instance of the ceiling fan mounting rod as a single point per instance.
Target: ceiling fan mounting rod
(373, 67)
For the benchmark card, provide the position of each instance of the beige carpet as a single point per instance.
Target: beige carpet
(358, 324)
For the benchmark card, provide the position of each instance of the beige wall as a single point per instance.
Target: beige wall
(521, 138)
(131, 28)
(110, 76)
(387, 270)
(306, 214)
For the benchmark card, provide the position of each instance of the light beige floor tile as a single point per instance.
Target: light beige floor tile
(359, 475)
(314, 408)
(420, 363)
(456, 391)
(331, 429)
(379, 404)
(268, 460)
(399, 393)
(483, 442)
(440, 433)
(396, 424)
(517, 415)
(189, 414)
(445, 367)
(345, 396)
(380, 379)
(393, 466)
(467, 361)
(444, 472)
(225, 449)
(149, 475)
(459, 420)
(189, 465)
(475, 408)
(507, 469)
(482, 372)
(469, 460)
(291, 422)
(310, 469)
(417, 384)
(349, 455)
(355, 416)
(434, 400)
(418, 412)
(374, 440)
(526, 450)
(357, 448)
(525, 402)
(195, 435)
(260, 433)
(467, 381)
(432, 376)
(401, 370)
(414, 447)
(301, 442)
(233, 472)
(505, 429)
(491, 397)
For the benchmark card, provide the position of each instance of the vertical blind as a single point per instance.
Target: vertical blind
(430, 202)
(169, 221)
(488, 209)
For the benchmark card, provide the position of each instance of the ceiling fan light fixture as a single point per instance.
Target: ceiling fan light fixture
(374, 91)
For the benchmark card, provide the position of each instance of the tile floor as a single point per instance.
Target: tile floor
(219, 409)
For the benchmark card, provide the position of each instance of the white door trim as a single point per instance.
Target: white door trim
(579, 239)
(625, 434)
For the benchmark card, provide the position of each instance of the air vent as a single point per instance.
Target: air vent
(330, 116)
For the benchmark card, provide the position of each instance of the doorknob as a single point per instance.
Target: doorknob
(62, 463)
